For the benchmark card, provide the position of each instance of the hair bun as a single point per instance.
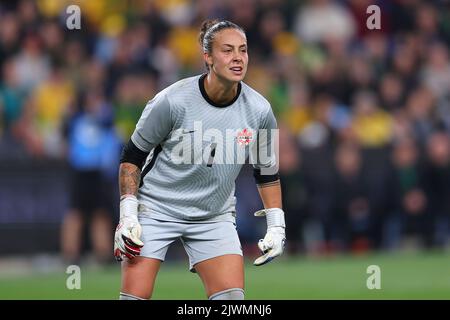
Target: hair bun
(204, 28)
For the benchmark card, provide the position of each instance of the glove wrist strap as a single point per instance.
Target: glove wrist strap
(129, 206)
(275, 218)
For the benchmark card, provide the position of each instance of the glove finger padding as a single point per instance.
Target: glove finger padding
(117, 253)
(133, 234)
(127, 240)
(268, 256)
(271, 246)
(130, 247)
(120, 252)
(264, 246)
(131, 241)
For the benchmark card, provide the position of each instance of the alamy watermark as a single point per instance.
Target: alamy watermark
(230, 146)
(374, 280)
(374, 20)
(74, 279)
(73, 21)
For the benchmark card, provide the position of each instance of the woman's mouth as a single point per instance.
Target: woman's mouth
(237, 70)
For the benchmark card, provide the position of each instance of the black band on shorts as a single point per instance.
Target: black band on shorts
(133, 154)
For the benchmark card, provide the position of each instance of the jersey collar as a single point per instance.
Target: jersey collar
(201, 85)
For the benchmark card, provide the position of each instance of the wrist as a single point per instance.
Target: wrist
(127, 195)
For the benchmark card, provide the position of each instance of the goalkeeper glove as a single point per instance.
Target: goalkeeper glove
(127, 237)
(273, 243)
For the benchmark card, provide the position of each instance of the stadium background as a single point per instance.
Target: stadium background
(364, 118)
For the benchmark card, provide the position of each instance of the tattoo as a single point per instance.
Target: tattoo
(269, 184)
(129, 178)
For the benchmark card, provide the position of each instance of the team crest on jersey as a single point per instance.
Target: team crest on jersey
(244, 137)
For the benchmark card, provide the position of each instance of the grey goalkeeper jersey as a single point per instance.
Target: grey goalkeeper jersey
(196, 149)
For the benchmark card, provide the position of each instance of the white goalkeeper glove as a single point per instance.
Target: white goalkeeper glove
(273, 243)
(127, 240)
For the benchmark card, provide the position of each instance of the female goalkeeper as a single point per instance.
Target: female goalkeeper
(177, 173)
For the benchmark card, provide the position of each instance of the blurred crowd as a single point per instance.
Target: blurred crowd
(364, 114)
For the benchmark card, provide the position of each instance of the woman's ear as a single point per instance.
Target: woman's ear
(208, 59)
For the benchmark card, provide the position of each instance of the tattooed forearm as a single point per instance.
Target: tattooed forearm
(129, 178)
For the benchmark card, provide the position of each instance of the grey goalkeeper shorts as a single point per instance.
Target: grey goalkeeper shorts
(203, 240)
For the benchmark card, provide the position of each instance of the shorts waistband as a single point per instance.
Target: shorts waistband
(144, 210)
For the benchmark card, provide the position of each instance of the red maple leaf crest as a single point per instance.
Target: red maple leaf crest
(244, 137)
